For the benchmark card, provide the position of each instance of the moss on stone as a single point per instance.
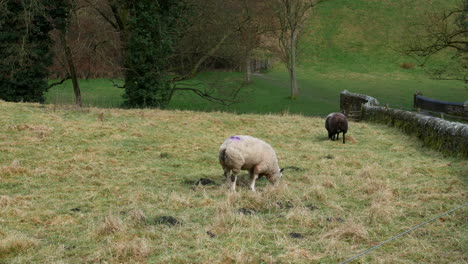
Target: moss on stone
(448, 137)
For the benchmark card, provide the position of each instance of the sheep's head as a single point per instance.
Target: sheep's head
(275, 178)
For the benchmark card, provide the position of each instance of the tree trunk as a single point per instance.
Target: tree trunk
(71, 69)
(248, 70)
(292, 68)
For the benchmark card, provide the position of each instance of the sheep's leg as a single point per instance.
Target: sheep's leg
(338, 136)
(227, 173)
(253, 178)
(344, 137)
(233, 180)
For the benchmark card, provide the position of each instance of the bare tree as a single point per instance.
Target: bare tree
(84, 47)
(71, 68)
(212, 41)
(221, 35)
(437, 32)
(214, 26)
(291, 17)
(248, 42)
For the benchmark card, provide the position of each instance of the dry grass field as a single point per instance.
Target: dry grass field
(118, 186)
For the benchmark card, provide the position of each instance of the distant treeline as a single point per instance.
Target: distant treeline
(227, 32)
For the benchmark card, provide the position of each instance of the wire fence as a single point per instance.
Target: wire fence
(401, 234)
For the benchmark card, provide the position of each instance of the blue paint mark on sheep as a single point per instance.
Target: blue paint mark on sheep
(235, 138)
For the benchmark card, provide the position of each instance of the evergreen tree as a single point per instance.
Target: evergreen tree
(153, 29)
(24, 49)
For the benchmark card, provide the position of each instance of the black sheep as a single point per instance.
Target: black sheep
(335, 124)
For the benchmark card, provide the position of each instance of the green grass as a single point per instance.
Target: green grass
(319, 94)
(87, 186)
(361, 35)
(94, 92)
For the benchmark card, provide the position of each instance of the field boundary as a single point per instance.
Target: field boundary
(401, 234)
(447, 137)
(425, 103)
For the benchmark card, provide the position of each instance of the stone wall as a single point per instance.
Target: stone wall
(448, 137)
(350, 103)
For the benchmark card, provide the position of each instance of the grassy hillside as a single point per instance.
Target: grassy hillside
(360, 36)
(91, 186)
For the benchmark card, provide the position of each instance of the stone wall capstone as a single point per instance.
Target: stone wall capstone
(351, 103)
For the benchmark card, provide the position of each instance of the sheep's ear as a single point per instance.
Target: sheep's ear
(282, 170)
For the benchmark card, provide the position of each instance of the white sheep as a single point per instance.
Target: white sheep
(248, 153)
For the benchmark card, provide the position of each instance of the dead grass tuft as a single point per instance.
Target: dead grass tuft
(5, 200)
(232, 198)
(15, 243)
(111, 224)
(40, 130)
(100, 117)
(31, 127)
(224, 219)
(244, 256)
(270, 197)
(368, 172)
(136, 250)
(300, 216)
(355, 232)
(61, 220)
(351, 139)
(330, 184)
(254, 200)
(372, 186)
(180, 200)
(318, 192)
(13, 169)
(299, 255)
(138, 216)
(382, 212)
(381, 208)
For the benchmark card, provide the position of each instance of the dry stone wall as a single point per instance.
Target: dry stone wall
(445, 136)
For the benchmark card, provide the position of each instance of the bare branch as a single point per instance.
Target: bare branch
(59, 82)
(103, 15)
(191, 84)
(197, 65)
(118, 18)
(450, 13)
(207, 96)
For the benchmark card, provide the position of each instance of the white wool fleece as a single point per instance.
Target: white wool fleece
(246, 152)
